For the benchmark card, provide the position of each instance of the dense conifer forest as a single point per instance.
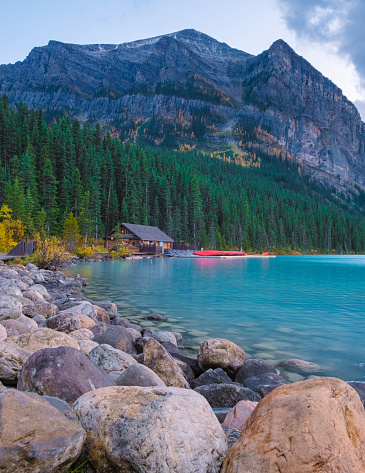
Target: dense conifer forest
(218, 201)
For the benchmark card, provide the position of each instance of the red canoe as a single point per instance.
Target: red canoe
(219, 253)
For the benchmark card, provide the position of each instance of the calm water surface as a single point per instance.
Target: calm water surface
(309, 307)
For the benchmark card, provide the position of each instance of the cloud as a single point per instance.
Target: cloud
(336, 22)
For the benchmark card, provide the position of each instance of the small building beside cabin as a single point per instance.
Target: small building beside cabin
(140, 238)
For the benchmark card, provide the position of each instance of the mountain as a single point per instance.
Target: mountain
(187, 89)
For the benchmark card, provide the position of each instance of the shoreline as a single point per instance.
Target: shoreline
(50, 329)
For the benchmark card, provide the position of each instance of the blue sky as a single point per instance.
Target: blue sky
(329, 33)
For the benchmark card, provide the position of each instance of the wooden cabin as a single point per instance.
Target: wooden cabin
(140, 238)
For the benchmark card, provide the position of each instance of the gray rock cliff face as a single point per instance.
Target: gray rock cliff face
(176, 74)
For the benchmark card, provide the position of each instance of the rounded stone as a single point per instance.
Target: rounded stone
(309, 426)
(253, 367)
(139, 375)
(159, 430)
(61, 372)
(35, 436)
(221, 353)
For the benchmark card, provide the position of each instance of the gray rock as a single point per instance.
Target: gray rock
(147, 332)
(62, 372)
(300, 366)
(139, 375)
(98, 328)
(64, 322)
(12, 360)
(217, 376)
(140, 344)
(253, 367)
(10, 307)
(163, 337)
(135, 334)
(264, 383)
(192, 362)
(39, 319)
(13, 327)
(157, 429)
(111, 359)
(226, 395)
(186, 370)
(30, 323)
(36, 436)
(31, 267)
(86, 346)
(178, 337)
(44, 308)
(117, 337)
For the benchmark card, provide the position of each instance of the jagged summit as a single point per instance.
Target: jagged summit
(190, 83)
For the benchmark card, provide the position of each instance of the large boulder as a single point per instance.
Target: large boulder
(316, 425)
(36, 437)
(64, 322)
(44, 308)
(42, 338)
(264, 383)
(158, 360)
(12, 360)
(221, 353)
(111, 359)
(226, 395)
(10, 287)
(117, 337)
(253, 367)
(10, 307)
(238, 416)
(159, 430)
(139, 375)
(13, 327)
(61, 372)
(217, 376)
(34, 296)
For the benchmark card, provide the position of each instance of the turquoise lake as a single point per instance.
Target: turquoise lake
(308, 307)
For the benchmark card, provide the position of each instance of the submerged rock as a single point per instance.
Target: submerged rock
(159, 430)
(300, 366)
(221, 353)
(35, 436)
(309, 426)
(155, 317)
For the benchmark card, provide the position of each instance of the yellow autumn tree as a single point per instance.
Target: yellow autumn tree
(11, 231)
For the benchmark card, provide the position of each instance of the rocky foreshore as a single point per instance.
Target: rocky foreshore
(82, 385)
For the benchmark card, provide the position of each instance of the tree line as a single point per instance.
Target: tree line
(49, 171)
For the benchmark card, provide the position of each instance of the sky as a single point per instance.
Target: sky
(330, 34)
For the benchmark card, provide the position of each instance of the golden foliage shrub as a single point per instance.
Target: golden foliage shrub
(51, 253)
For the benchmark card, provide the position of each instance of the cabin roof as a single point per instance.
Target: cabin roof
(146, 232)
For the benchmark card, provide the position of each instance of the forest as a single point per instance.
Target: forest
(218, 201)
